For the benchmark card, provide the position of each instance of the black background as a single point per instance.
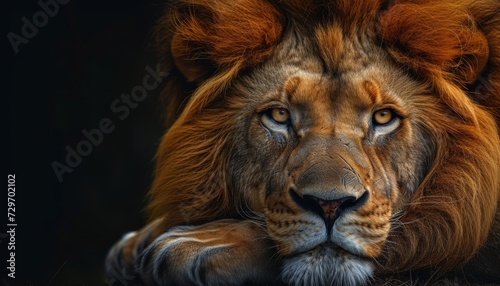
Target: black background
(59, 83)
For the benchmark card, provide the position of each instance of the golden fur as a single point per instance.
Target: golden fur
(433, 184)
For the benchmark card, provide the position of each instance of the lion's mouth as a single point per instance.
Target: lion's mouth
(343, 226)
(329, 210)
(333, 250)
(327, 264)
(335, 247)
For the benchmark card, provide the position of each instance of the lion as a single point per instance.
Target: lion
(323, 143)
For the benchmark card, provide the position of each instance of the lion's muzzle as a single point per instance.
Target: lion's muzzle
(329, 189)
(329, 198)
(325, 179)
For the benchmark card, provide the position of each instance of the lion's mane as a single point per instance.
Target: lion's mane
(453, 45)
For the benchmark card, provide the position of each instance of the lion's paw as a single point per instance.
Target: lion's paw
(225, 252)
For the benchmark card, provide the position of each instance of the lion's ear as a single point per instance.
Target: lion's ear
(206, 36)
(434, 37)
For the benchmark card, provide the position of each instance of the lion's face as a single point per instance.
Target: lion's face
(333, 154)
(354, 130)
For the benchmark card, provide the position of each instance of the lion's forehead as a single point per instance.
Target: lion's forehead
(333, 77)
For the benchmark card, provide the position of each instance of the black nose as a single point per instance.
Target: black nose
(329, 210)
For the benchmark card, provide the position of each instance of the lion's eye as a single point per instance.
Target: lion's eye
(280, 115)
(277, 119)
(383, 116)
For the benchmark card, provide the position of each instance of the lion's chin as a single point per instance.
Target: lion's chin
(325, 265)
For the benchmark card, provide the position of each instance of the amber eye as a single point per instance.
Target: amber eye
(383, 116)
(280, 115)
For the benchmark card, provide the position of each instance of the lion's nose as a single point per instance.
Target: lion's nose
(328, 209)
